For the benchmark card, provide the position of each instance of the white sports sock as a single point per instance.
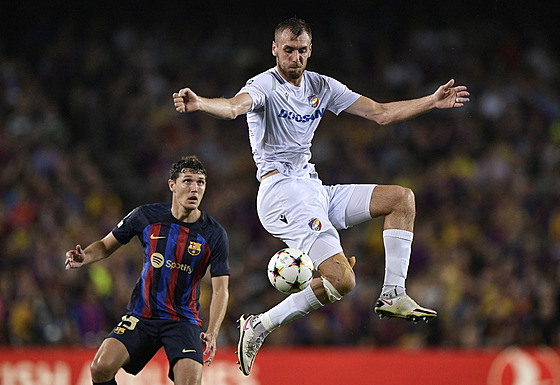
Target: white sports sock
(295, 306)
(398, 244)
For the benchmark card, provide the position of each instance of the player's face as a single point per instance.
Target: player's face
(291, 54)
(188, 190)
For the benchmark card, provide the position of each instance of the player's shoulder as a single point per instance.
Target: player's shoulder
(163, 207)
(317, 79)
(211, 224)
(266, 79)
(153, 212)
(209, 220)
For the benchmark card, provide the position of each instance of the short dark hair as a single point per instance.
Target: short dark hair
(190, 162)
(296, 26)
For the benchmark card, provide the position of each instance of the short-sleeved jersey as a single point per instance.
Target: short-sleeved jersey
(176, 257)
(283, 118)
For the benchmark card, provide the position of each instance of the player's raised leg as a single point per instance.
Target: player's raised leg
(397, 204)
(337, 279)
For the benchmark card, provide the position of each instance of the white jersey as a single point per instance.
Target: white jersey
(283, 118)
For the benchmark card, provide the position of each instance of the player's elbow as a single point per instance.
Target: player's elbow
(382, 119)
(229, 113)
(221, 296)
(232, 114)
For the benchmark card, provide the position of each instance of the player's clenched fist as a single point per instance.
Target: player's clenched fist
(186, 101)
(75, 258)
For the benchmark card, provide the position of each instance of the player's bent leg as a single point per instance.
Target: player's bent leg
(396, 203)
(398, 206)
(110, 357)
(338, 279)
(187, 372)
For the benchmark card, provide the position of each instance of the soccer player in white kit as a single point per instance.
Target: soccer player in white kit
(284, 106)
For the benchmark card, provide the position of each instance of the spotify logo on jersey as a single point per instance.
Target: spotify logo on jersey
(157, 260)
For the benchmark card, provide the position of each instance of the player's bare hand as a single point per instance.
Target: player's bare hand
(447, 96)
(75, 258)
(186, 101)
(209, 346)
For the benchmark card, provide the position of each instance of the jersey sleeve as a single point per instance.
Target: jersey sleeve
(128, 227)
(219, 261)
(342, 97)
(258, 87)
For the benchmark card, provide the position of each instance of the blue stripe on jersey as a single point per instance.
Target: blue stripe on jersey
(165, 273)
(139, 305)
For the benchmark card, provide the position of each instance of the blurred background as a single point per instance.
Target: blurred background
(88, 131)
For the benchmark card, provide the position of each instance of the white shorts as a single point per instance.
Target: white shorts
(300, 210)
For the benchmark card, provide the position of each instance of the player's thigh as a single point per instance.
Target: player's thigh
(385, 198)
(349, 204)
(140, 338)
(181, 341)
(187, 372)
(294, 210)
(110, 357)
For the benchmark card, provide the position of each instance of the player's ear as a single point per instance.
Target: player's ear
(274, 48)
(171, 184)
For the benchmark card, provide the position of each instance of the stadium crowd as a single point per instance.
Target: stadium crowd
(88, 131)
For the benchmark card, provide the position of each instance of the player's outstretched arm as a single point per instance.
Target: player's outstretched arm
(218, 307)
(97, 251)
(222, 108)
(446, 96)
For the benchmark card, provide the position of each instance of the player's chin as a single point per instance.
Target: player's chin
(190, 204)
(295, 72)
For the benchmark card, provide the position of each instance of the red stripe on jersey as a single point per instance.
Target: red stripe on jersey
(197, 277)
(148, 282)
(182, 239)
(147, 312)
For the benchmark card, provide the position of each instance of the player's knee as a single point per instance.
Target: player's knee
(407, 199)
(347, 283)
(338, 285)
(102, 371)
(338, 276)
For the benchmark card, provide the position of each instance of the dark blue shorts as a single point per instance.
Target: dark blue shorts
(143, 338)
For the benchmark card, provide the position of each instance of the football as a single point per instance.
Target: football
(290, 270)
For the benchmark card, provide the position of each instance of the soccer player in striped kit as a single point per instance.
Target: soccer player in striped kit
(180, 242)
(284, 106)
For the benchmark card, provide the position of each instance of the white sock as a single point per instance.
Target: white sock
(295, 306)
(398, 244)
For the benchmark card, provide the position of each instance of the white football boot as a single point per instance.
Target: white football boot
(249, 344)
(404, 307)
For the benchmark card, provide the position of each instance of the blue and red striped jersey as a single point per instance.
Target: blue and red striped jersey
(176, 257)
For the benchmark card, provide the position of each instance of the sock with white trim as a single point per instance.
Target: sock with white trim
(295, 306)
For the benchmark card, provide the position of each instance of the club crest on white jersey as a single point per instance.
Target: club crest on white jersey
(313, 100)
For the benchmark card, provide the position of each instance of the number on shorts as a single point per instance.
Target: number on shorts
(129, 322)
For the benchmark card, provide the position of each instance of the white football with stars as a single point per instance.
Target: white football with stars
(290, 270)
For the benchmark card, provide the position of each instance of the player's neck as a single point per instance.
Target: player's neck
(185, 215)
(294, 82)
